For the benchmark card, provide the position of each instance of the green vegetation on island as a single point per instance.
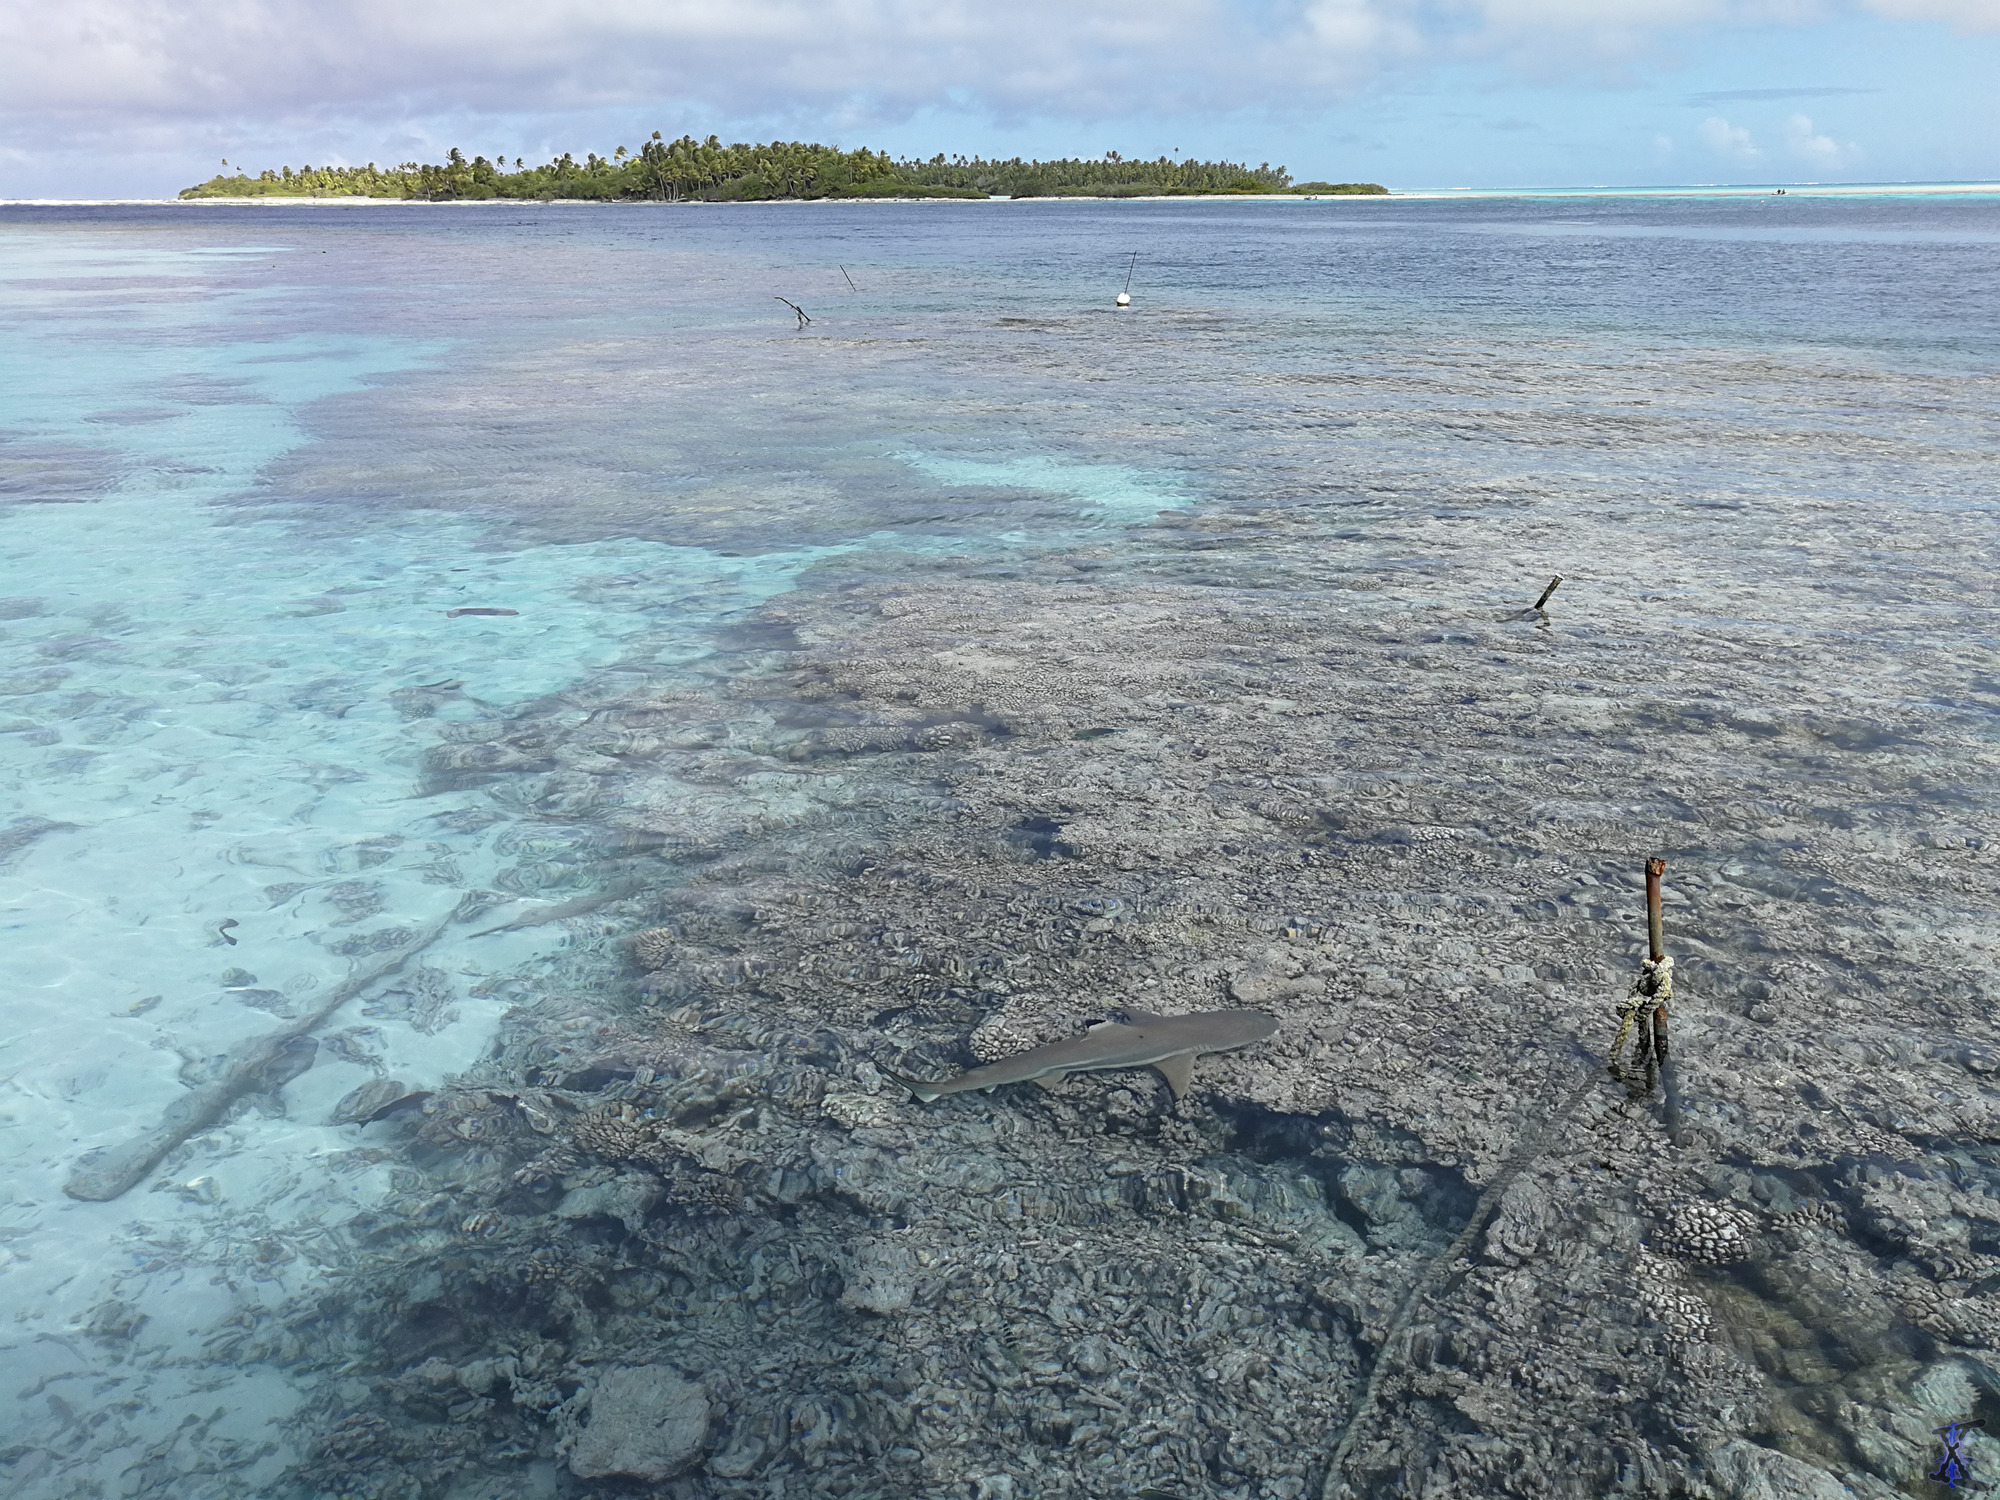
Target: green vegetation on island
(1109, 176)
(684, 169)
(1339, 189)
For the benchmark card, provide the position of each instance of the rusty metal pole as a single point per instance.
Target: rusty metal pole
(1655, 932)
(1653, 1020)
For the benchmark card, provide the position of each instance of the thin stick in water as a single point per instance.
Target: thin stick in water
(850, 280)
(1548, 591)
(803, 319)
(103, 1174)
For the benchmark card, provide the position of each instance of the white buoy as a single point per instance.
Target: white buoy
(1125, 297)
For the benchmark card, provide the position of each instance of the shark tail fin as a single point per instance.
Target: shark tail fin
(924, 1091)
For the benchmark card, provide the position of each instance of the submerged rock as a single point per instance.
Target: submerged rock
(626, 1198)
(1706, 1232)
(653, 947)
(881, 1278)
(859, 1111)
(645, 1423)
(1746, 1471)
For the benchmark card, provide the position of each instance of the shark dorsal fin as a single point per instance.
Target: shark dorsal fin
(1178, 1070)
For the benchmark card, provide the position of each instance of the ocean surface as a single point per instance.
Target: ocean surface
(297, 504)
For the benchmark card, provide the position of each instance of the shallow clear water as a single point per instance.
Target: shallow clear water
(252, 460)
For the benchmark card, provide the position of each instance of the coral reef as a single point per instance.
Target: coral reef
(1706, 1232)
(653, 947)
(937, 830)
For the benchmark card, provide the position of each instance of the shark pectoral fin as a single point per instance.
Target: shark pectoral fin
(924, 1091)
(1178, 1071)
(1051, 1081)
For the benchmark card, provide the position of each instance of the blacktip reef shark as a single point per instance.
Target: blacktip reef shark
(1169, 1044)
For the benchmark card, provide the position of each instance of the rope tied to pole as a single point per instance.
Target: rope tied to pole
(1639, 1011)
(1654, 987)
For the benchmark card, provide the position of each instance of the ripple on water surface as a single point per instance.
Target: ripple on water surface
(925, 680)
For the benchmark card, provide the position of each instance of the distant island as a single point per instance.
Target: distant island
(708, 171)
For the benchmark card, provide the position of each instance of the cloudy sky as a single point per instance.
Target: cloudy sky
(141, 97)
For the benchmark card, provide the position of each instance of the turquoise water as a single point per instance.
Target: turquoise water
(226, 653)
(203, 728)
(251, 464)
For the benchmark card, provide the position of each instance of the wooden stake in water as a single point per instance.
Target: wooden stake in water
(254, 1067)
(803, 319)
(850, 280)
(1548, 591)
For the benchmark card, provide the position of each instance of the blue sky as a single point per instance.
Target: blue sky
(139, 98)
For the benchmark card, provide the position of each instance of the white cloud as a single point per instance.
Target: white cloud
(1614, 38)
(1961, 15)
(1082, 58)
(1809, 146)
(311, 60)
(89, 76)
(1726, 139)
